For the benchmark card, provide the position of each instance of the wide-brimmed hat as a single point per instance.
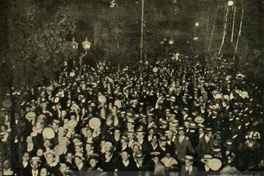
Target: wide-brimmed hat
(199, 119)
(155, 154)
(48, 133)
(139, 155)
(30, 115)
(136, 144)
(206, 157)
(94, 123)
(215, 164)
(50, 152)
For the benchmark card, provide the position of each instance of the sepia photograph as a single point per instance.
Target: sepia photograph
(131, 87)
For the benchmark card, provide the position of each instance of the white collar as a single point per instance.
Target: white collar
(126, 163)
(189, 168)
(80, 166)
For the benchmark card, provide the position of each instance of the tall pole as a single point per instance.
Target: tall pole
(142, 31)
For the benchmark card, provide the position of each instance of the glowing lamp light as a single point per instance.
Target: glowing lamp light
(171, 42)
(230, 3)
(197, 24)
(86, 44)
(74, 44)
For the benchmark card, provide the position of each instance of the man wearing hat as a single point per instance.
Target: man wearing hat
(159, 168)
(142, 165)
(182, 145)
(35, 166)
(188, 169)
(229, 154)
(126, 163)
(79, 164)
(94, 168)
(140, 136)
(205, 144)
(204, 163)
(52, 160)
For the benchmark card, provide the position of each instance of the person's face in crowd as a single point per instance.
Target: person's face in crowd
(63, 113)
(50, 158)
(163, 143)
(89, 133)
(186, 124)
(69, 103)
(73, 117)
(155, 160)
(40, 152)
(93, 162)
(34, 165)
(63, 167)
(173, 129)
(83, 87)
(164, 126)
(44, 107)
(47, 143)
(77, 161)
(78, 149)
(125, 156)
(140, 160)
(27, 109)
(42, 95)
(130, 136)
(43, 172)
(188, 163)
(55, 126)
(29, 139)
(181, 133)
(201, 131)
(154, 140)
(136, 148)
(168, 156)
(65, 121)
(88, 148)
(209, 134)
(169, 136)
(84, 132)
(117, 133)
(151, 131)
(130, 126)
(61, 132)
(41, 119)
(108, 148)
(140, 136)
(69, 157)
(25, 157)
(123, 142)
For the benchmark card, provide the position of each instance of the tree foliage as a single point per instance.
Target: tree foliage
(37, 40)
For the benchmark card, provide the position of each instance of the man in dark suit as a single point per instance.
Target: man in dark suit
(182, 145)
(79, 163)
(34, 167)
(188, 169)
(205, 143)
(24, 166)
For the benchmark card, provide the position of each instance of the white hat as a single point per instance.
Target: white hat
(215, 164)
(94, 123)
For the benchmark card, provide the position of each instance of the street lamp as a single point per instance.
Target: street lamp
(230, 3)
(86, 45)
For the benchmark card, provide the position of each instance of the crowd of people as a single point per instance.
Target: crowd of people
(177, 116)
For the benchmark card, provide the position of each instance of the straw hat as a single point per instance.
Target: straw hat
(215, 164)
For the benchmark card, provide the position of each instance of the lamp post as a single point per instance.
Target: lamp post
(142, 31)
(86, 45)
(167, 44)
